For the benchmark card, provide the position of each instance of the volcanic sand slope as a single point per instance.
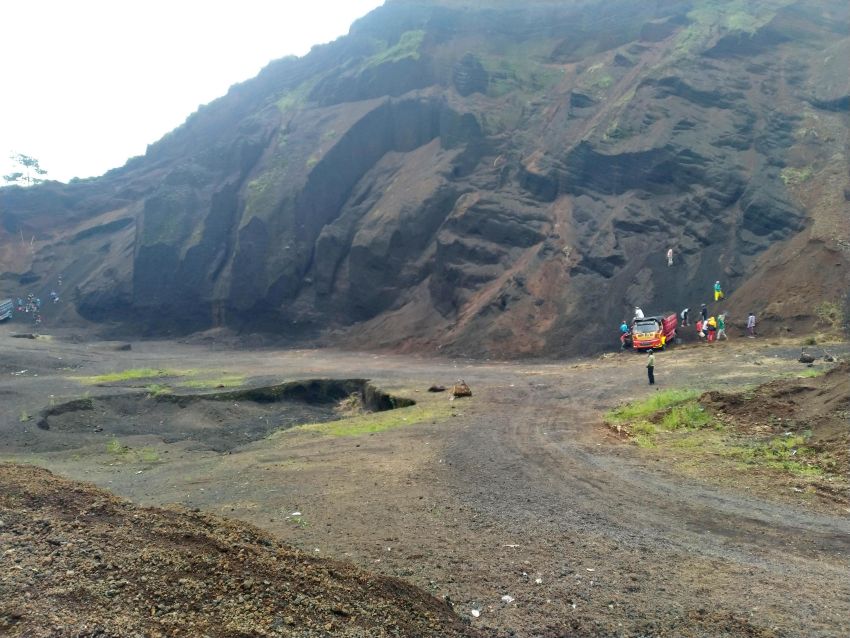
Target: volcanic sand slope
(80, 562)
(474, 177)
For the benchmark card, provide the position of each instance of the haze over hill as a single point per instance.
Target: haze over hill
(483, 178)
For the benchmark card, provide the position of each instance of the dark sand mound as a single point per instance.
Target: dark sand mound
(80, 562)
(820, 405)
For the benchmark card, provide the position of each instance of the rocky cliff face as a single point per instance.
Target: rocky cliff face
(481, 178)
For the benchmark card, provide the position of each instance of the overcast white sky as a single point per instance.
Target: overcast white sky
(87, 84)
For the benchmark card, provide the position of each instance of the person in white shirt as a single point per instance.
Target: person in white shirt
(751, 325)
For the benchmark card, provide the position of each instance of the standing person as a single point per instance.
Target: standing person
(718, 292)
(711, 331)
(624, 332)
(684, 316)
(721, 327)
(669, 256)
(638, 313)
(700, 326)
(703, 311)
(751, 325)
(650, 368)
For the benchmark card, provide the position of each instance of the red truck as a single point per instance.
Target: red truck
(653, 333)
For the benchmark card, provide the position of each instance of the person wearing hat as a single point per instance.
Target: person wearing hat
(703, 311)
(718, 292)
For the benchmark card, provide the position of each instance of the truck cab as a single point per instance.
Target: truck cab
(653, 333)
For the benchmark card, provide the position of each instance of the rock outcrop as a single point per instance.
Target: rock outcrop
(478, 178)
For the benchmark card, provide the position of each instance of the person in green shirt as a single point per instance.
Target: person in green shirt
(721, 327)
(650, 367)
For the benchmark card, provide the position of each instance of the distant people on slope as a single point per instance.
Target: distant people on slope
(711, 330)
(684, 316)
(669, 256)
(624, 333)
(721, 327)
(718, 292)
(638, 313)
(751, 325)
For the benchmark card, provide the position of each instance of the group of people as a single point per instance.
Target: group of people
(32, 304)
(709, 327)
(713, 328)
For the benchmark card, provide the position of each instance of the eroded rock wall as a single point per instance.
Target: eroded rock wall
(483, 179)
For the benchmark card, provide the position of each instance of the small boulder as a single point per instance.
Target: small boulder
(437, 388)
(124, 347)
(461, 389)
(805, 357)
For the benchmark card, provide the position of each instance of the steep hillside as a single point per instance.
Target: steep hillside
(480, 178)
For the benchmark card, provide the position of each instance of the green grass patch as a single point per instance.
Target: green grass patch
(373, 422)
(810, 373)
(830, 314)
(708, 441)
(686, 416)
(224, 381)
(147, 455)
(643, 433)
(787, 453)
(24, 416)
(521, 71)
(114, 446)
(711, 16)
(131, 455)
(407, 47)
(642, 409)
(264, 194)
(791, 176)
(157, 389)
(132, 375)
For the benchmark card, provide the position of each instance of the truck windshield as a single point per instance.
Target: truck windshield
(644, 328)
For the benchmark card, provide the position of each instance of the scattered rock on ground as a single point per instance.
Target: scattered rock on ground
(128, 570)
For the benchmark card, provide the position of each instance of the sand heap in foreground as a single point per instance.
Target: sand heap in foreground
(79, 561)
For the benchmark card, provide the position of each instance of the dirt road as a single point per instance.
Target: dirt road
(519, 491)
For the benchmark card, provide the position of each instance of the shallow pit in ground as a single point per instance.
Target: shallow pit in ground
(218, 421)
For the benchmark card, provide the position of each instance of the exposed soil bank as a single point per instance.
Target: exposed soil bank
(219, 421)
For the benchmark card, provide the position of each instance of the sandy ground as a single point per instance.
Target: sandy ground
(518, 491)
